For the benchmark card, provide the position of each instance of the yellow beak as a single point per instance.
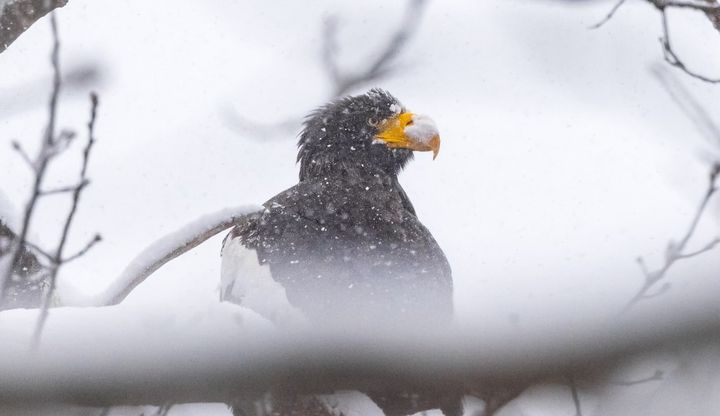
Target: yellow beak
(410, 131)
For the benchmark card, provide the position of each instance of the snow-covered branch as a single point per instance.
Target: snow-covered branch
(16, 16)
(159, 253)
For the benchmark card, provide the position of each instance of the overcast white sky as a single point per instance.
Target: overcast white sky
(563, 159)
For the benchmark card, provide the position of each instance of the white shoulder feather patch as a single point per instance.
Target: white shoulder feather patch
(246, 282)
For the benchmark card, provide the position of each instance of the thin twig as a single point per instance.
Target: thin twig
(66, 189)
(90, 244)
(58, 256)
(705, 6)
(672, 58)
(709, 246)
(663, 289)
(39, 250)
(572, 384)
(676, 251)
(658, 375)
(23, 154)
(609, 15)
(712, 11)
(164, 409)
(688, 104)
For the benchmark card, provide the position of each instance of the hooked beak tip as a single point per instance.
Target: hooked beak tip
(435, 145)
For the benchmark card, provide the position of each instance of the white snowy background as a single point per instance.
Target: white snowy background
(562, 159)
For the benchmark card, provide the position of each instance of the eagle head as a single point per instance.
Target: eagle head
(372, 132)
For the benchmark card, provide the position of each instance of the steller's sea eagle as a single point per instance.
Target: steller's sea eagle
(344, 246)
(345, 243)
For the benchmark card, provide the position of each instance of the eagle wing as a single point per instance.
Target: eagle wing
(245, 281)
(338, 251)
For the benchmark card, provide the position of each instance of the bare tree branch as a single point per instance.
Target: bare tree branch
(76, 192)
(16, 16)
(688, 104)
(51, 146)
(23, 154)
(707, 6)
(672, 58)
(96, 239)
(378, 67)
(610, 15)
(676, 251)
(40, 164)
(66, 189)
(711, 9)
(342, 82)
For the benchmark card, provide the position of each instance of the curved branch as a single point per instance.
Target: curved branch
(163, 250)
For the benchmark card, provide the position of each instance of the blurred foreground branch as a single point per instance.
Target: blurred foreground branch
(378, 67)
(196, 365)
(16, 16)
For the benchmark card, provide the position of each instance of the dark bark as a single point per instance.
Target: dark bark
(27, 281)
(18, 15)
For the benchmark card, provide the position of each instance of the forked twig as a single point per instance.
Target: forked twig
(677, 251)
